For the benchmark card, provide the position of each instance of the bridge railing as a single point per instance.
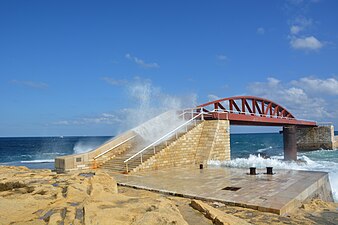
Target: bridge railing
(193, 119)
(266, 115)
(252, 114)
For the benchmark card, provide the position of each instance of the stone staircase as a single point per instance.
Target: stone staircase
(117, 164)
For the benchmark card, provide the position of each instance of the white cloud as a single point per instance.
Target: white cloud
(301, 28)
(145, 101)
(314, 85)
(104, 118)
(306, 43)
(295, 29)
(61, 122)
(222, 57)
(303, 22)
(30, 84)
(141, 62)
(296, 99)
(260, 30)
(114, 82)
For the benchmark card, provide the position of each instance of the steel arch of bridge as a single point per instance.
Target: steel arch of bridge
(251, 110)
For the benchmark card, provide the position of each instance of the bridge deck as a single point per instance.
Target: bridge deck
(279, 193)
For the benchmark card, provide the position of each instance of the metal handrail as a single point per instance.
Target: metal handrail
(163, 137)
(119, 144)
(187, 111)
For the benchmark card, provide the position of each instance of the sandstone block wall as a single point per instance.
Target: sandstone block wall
(221, 144)
(209, 140)
(314, 138)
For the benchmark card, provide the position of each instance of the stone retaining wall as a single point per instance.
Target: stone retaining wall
(313, 138)
(209, 140)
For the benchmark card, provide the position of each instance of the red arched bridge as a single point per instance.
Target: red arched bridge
(250, 110)
(255, 111)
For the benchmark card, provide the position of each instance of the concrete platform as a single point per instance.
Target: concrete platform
(279, 193)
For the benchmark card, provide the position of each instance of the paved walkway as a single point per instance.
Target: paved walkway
(278, 193)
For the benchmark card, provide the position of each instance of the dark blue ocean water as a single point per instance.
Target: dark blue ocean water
(39, 152)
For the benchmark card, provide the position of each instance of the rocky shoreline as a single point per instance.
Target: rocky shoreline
(93, 197)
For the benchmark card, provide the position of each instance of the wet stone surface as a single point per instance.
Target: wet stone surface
(265, 192)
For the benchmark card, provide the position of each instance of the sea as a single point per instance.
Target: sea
(254, 149)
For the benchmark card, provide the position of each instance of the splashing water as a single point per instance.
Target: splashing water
(159, 126)
(151, 101)
(155, 112)
(264, 149)
(310, 165)
(87, 145)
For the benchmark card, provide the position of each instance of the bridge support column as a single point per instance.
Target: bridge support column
(290, 142)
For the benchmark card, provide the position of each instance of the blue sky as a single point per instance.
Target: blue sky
(87, 67)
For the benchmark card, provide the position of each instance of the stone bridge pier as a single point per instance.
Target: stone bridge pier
(290, 142)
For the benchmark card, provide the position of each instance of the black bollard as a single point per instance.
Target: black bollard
(269, 170)
(252, 170)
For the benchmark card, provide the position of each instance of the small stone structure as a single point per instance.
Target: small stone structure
(86, 160)
(209, 140)
(314, 138)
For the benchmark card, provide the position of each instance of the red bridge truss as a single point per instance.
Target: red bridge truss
(250, 110)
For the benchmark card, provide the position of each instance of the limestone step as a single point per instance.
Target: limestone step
(117, 163)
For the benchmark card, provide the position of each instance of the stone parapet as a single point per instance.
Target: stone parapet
(105, 152)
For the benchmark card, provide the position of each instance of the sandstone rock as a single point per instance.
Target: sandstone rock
(318, 204)
(55, 218)
(218, 217)
(103, 182)
(163, 213)
(43, 197)
(32, 222)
